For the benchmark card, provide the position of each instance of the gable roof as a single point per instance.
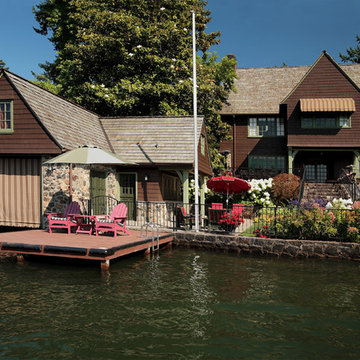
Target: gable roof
(261, 90)
(158, 139)
(70, 125)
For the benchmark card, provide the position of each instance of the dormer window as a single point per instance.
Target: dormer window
(6, 117)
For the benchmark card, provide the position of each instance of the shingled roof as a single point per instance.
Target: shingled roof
(159, 139)
(69, 124)
(261, 90)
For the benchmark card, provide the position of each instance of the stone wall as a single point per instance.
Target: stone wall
(269, 247)
(56, 186)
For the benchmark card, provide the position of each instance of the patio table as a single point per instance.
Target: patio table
(85, 224)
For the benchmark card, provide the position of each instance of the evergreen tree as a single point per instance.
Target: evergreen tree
(353, 54)
(134, 57)
(2, 65)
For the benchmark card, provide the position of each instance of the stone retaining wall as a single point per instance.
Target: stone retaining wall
(269, 247)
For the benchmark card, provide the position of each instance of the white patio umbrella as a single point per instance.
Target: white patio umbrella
(89, 155)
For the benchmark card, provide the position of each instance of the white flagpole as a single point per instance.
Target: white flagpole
(196, 166)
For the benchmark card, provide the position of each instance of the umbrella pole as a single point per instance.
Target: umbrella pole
(70, 181)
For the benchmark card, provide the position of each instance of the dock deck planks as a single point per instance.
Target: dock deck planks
(81, 246)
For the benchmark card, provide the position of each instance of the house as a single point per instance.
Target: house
(286, 119)
(36, 125)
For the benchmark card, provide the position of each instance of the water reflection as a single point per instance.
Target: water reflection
(181, 305)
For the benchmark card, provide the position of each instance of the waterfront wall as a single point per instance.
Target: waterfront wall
(269, 247)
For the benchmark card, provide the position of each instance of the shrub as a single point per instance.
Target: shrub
(285, 187)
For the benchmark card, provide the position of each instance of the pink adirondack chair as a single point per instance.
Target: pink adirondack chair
(64, 220)
(216, 206)
(113, 223)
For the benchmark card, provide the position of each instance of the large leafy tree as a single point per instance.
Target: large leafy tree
(134, 57)
(353, 53)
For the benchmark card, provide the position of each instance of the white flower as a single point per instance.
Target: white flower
(172, 66)
(131, 54)
(106, 95)
(181, 81)
(185, 29)
(93, 86)
(173, 59)
(162, 8)
(139, 46)
(102, 85)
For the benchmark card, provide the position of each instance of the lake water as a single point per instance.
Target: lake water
(184, 304)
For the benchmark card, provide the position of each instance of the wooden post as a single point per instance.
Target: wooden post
(105, 265)
(20, 259)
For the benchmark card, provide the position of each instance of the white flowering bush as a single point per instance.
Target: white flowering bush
(259, 192)
(339, 204)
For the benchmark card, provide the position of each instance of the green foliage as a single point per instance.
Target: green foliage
(134, 57)
(3, 65)
(46, 84)
(310, 224)
(353, 53)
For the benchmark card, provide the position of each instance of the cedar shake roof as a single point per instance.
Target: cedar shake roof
(69, 124)
(147, 140)
(261, 90)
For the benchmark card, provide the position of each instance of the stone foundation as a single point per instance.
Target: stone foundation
(269, 247)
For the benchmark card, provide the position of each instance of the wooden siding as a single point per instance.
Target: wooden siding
(204, 160)
(28, 137)
(241, 145)
(324, 81)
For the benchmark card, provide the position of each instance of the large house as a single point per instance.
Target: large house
(286, 119)
(36, 125)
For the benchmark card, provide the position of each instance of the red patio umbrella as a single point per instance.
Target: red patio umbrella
(228, 185)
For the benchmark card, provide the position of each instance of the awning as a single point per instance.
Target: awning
(329, 104)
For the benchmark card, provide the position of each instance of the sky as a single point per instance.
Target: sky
(260, 33)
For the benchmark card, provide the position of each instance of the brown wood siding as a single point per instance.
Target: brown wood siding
(28, 137)
(204, 160)
(149, 190)
(324, 81)
(241, 145)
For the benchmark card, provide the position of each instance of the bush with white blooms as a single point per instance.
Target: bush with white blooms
(339, 204)
(259, 192)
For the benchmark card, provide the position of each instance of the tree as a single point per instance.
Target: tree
(353, 54)
(2, 65)
(134, 57)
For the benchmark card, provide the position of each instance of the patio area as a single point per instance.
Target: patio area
(79, 246)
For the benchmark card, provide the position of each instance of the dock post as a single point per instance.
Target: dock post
(20, 259)
(105, 265)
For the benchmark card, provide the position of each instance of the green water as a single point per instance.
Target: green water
(185, 304)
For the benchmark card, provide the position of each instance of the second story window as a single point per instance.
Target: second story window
(265, 126)
(325, 122)
(6, 117)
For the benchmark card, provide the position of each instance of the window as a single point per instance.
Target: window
(267, 162)
(6, 117)
(325, 122)
(266, 126)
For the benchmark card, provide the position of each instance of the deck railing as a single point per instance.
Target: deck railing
(347, 180)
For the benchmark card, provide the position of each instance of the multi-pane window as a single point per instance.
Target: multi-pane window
(267, 162)
(6, 121)
(266, 126)
(325, 122)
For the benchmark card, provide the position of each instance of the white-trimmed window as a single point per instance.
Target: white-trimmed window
(6, 117)
(265, 126)
(325, 121)
(267, 162)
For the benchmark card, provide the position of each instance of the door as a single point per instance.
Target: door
(127, 193)
(316, 172)
(98, 192)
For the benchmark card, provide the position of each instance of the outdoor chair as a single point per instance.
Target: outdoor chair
(216, 205)
(113, 223)
(214, 216)
(64, 220)
(238, 209)
(183, 219)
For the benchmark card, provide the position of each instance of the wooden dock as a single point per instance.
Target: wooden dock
(78, 246)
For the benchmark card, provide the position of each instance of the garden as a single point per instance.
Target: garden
(278, 214)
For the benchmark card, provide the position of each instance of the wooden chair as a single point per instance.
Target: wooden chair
(64, 220)
(214, 216)
(113, 223)
(216, 206)
(238, 209)
(183, 219)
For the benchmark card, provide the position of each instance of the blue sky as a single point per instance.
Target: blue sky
(261, 33)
